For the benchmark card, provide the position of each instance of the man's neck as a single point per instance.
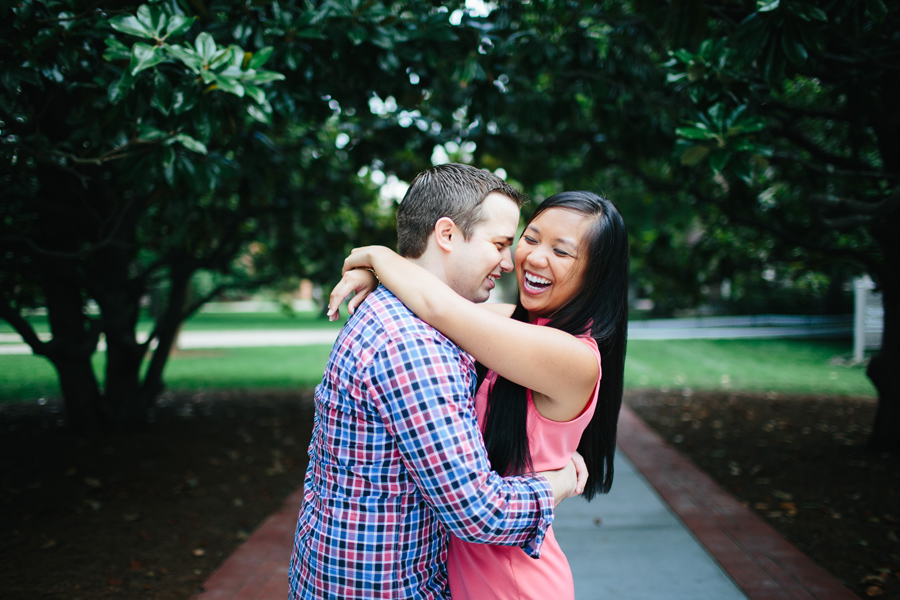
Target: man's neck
(432, 265)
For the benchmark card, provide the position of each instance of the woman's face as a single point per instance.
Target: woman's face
(550, 260)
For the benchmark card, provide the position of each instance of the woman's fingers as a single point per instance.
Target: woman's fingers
(359, 283)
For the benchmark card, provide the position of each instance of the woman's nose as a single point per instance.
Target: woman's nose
(538, 257)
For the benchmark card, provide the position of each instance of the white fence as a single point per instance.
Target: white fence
(868, 317)
(751, 326)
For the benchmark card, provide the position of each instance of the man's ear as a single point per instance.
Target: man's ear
(444, 232)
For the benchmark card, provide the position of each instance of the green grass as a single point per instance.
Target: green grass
(221, 321)
(788, 366)
(781, 365)
(28, 377)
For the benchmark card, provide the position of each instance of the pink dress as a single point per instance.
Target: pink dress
(483, 572)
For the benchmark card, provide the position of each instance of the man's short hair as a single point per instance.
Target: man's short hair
(449, 190)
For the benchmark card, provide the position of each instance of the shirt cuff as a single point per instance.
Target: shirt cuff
(544, 494)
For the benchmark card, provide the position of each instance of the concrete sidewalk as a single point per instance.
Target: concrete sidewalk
(665, 532)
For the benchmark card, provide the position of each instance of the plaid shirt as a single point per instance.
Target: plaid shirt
(396, 461)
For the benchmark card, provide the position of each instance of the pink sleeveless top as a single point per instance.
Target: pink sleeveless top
(481, 571)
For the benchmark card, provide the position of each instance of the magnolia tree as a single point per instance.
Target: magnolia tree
(144, 143)
(740, 140)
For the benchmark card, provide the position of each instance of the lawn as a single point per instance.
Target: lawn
(778, 365)
(213, 321)
(788, 366)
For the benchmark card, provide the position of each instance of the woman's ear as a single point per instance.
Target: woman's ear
(444, 231)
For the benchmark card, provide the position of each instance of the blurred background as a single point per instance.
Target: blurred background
(182, 179)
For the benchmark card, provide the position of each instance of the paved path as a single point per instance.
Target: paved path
(659, 329)
(665, 532)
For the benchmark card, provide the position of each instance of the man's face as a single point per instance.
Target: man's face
(475, 265)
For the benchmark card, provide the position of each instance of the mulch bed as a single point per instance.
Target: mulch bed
(801, 462)
(151, 515)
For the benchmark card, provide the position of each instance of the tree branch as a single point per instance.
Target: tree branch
(23, 328)
(879, 208)
(814, 149)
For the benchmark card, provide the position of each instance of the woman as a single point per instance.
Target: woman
(542, 401)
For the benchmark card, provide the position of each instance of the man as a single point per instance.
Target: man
(396, 458)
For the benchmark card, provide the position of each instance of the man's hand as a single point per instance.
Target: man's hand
(568, 481)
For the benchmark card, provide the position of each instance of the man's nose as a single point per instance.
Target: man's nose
(506, 263)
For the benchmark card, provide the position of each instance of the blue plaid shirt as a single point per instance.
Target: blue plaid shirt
(397, 461)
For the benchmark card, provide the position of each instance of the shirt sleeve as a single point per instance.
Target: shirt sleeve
(423, 394)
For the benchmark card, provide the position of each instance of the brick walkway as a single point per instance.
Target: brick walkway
(762, 564)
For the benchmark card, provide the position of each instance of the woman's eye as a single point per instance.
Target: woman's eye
(530, 240)
(561, 252)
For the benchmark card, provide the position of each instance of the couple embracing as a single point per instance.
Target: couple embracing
(446, 431)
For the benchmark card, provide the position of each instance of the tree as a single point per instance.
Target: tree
(144, 143)
(736, 136)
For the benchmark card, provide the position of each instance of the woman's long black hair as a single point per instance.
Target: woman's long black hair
(602, 305)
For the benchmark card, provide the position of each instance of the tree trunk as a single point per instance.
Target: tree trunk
(81, 394)
(167, 328)
(123, 400)
(74, 341)
(884, 369)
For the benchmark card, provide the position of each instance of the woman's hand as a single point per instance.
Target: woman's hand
(358, 282)
(364, 257)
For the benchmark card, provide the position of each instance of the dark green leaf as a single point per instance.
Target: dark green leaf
(255, 92)
(169, 167)
(261, 77)
(793, 48)
(767, 5)
(131, 26)
(116, 50)
(227, 84)
(205, 46)
(259, 115)
(187, 56)
(190, 143)
(694, 155)
(818, 14)
(178, 25)
(184, 99)
(695, 133)
(717, 160)
(149, 133)
(144, 56)
(259, 58)
(812, 37)
(877, 9)
(162, 96)
(152, 18)
(202, 125)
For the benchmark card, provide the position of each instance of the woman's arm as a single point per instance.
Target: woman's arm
(546, 360)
